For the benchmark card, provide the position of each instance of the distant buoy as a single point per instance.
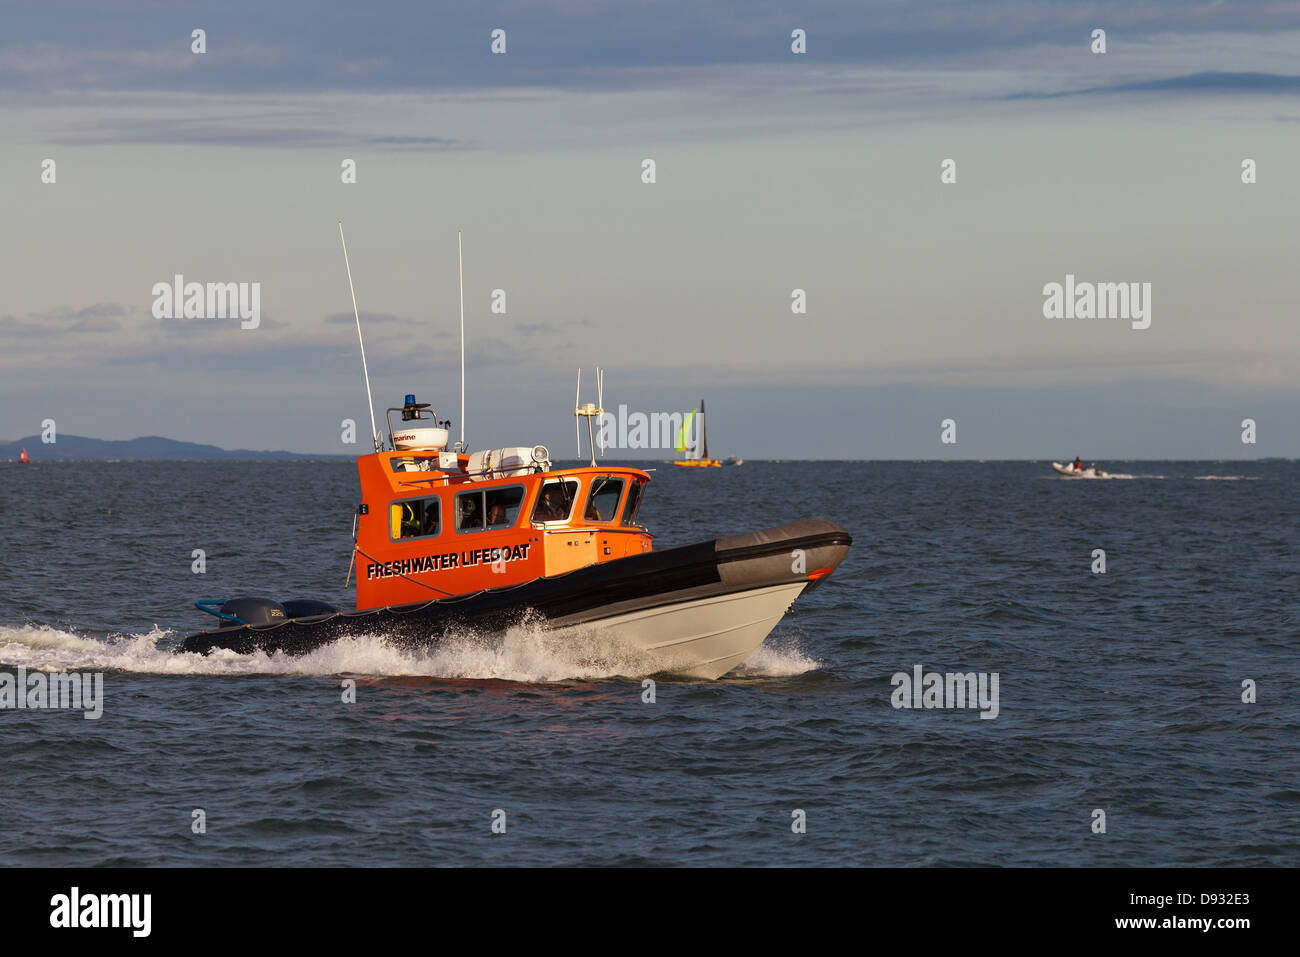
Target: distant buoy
(23, 456)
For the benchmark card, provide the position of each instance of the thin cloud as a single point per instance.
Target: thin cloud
(188, 132)
(97, 311)
(416, 142)
(202, 326)
(99, 317)
(343, 46)
(95, 324)
(12, 326)
(256, 129)
(1200, 83)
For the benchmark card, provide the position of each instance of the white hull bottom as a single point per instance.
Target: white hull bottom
(703, 637)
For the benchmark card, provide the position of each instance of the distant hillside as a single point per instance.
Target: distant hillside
(70, 447)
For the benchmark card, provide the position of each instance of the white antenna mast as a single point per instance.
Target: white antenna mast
(374, 432)
(460, 265)
(577, 411)
(589, 411)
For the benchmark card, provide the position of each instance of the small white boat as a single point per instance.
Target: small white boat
(1069, 471)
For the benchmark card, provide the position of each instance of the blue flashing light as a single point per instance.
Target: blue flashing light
(410, 398)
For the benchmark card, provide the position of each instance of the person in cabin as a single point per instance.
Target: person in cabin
(469, 517)
(550, 507)
(496, 514)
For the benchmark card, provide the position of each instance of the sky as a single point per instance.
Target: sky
(774, 172)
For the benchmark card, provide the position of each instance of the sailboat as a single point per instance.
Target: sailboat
(698, 457)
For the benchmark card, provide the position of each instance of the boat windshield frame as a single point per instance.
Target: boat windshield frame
(594, 486)
(570, 500)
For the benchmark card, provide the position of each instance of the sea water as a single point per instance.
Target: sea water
(1119, 691)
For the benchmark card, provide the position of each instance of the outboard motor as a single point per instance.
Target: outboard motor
(244, 611)
(263, 611)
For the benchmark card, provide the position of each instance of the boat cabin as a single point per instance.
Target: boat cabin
(434, 523)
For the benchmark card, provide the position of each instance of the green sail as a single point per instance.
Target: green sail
(684, 431)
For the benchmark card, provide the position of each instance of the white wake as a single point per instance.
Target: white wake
(527, 653)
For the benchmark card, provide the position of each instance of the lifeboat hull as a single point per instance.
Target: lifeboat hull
(697, 610)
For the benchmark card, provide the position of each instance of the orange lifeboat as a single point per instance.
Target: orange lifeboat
(447, 541)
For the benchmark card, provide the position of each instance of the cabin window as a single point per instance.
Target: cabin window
(633, 503)
(414, 518)
(602, 500)
(493, 508)
(555, 502)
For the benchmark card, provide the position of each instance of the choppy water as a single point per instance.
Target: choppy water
(1118, 691)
